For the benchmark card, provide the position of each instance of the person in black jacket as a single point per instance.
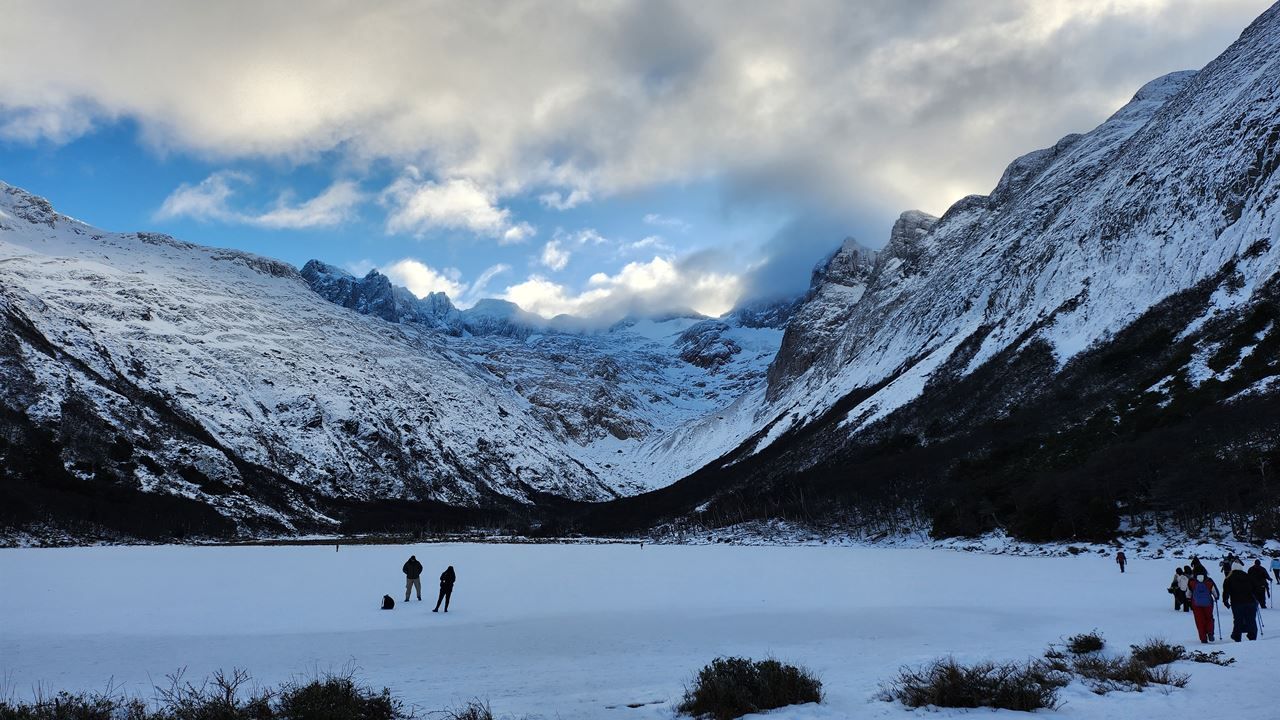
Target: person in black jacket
(447, 578)
(1237, 594)
(1261, 581)
(412, 577)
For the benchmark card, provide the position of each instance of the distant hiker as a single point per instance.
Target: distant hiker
(1121, 560)
(1178, 593)
(1261, 583)
(412, 577)
(1203, 594)
(388, 603)
(1225, 565)
(1183, 586)
(1237, 595)
(1275, 567)
(447, 579)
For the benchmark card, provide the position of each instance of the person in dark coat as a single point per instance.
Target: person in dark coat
(1261, 583)
(1121, 560)
(1203, 594)
(1198, 568)
(1237, 594)
(447, 578)
(412, 577)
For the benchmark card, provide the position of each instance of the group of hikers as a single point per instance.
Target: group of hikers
(413, 582)
(1243, 592)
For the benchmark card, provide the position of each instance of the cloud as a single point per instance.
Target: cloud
(418, 206)
(564, 201)
(58, 123)
(210, 201)
(553, 256)
(649, 242)
(664, 221)
(422, 279)
(581, 238)
(331, 207)
(896, 104)
(481, 283)
(661, 285)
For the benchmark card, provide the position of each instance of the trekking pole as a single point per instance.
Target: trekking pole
(1261, 625)
(1217, 630)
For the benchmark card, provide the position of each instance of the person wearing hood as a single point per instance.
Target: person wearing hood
(447, 579)
(1237, 596)
(1203, 595)
(1121, 560)
(412, 577)
(1261, 583)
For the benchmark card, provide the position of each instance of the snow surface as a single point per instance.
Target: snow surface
(581, 631)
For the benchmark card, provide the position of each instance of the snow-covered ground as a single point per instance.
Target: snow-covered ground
(582, 631)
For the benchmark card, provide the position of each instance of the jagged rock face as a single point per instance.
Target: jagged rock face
(375, 295)
(706, 346)
(838, 283)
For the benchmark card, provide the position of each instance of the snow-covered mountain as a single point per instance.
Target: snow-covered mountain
(605, 392)
(151, 385)
(1123, 278)
(1095, 337)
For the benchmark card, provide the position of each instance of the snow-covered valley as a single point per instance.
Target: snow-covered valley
(583, 631)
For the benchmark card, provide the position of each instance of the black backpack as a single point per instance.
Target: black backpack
(387, 602)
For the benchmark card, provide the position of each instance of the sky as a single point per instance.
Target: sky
(595, 158)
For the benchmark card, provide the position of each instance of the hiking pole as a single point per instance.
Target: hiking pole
(1218, 629)
(1262, 627)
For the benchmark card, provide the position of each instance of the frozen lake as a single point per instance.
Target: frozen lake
(569, 631)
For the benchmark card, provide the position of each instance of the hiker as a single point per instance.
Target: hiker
(388, 603)
(1275, 567)
(1261, 583)
(1175, 589)
(1183, 585)
(1237, 596)
(412, 577)
(1203, 594)
(1198, 568)
(1121, 560)
(1225, 565)
(447, 578)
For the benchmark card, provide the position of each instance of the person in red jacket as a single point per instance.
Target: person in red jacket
(1121, 560)
(1203, 594)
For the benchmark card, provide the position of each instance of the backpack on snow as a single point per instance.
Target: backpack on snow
(387, 602)
(1202, 594)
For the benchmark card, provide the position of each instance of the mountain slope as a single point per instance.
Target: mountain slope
(156, 366)
(986, 352)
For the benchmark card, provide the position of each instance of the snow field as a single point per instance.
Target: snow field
(581, 631)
